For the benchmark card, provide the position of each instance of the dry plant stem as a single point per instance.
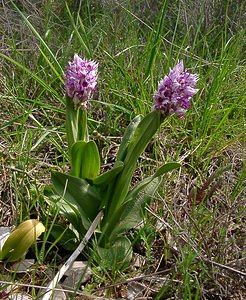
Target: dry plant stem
(10, 283)
(163, 272)
(198, 230)
(224, 266)
(72, 258)
(199, 256)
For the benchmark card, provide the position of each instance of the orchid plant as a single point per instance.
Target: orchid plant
(84, 191)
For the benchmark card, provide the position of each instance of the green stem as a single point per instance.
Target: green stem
(76, 124)
(82, 125)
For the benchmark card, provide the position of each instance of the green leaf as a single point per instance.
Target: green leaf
(167, 168)
(145, 131)
(71, 123)
(76, 124)
(77, 158)
(91, 161)
(130, 214)
(129, 133)
(142, 136)
(105, 183)
(64, 237)
(85, 160)
(78, 192)
(108, 176)
(67, 210)
(162, 170)
(116, 257)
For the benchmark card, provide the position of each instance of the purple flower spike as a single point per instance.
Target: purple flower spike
(175, 91)
(81, 80)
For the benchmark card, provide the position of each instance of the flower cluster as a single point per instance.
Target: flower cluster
(81, 80)
(175, 91)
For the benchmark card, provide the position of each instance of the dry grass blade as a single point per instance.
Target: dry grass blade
(72, 258)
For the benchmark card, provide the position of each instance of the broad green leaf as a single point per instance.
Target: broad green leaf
(64, 236)
(71, 213)
(90, 161)
(129, 133)
(67, 210)
(21, 239)
(162, 170)
(142, 136)
(85, 160)
(78, 192)
(105, 183)
(129, 215)
(117, 256)
(145, 131)
(77, 158)
(108, 176)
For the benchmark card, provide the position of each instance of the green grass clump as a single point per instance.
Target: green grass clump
(195, 229)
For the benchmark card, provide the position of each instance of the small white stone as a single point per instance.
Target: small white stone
(19, 296)
(4, 234)
(23, 266)
(134, 290)
(138, 260)
(80, 272)
(58, 294)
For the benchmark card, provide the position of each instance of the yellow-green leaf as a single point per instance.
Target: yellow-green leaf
(21, 239)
